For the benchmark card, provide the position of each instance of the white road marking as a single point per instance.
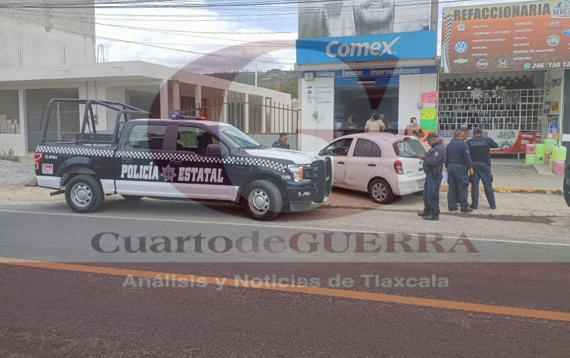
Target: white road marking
(257, 224)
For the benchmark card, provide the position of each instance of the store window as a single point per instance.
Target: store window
(509, 105)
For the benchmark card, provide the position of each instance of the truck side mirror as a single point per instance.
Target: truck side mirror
(213, 150)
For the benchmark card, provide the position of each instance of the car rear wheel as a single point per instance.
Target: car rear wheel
(84, 194)
(262, 200)
(380, 191)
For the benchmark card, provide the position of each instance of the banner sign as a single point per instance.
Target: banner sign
(373, 73)
(397, 46)
(506, 37)
(329, 18)
(510, 141)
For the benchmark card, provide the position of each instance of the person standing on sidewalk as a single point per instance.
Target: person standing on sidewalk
(281, 142)
(433, 167)
(459, 167)
(480, 148)
(414, 129)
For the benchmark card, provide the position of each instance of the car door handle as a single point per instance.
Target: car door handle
(126, 160)
(371, 165)
(340, 162)
(176, 162)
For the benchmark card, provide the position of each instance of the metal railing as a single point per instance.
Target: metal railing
(278, 118)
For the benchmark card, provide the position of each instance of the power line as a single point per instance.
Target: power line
(149, 4)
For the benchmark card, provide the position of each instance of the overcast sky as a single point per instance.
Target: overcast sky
(238, 27)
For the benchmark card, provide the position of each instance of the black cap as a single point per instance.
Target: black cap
(477, 130)
(432, 135)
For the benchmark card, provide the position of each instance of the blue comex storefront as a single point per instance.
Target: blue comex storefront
(352, 77)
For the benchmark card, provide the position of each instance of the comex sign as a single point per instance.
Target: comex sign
(399, 46)
(334, 48)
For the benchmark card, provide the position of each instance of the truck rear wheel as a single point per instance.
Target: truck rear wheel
(84, 194)
(262, 200)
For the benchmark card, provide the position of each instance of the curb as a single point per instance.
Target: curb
(514, 189)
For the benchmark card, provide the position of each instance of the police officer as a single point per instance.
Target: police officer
(459, 167)
(480, 148)
(433, 167)
(281, 142)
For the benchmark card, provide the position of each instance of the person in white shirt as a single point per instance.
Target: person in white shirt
(375, 124)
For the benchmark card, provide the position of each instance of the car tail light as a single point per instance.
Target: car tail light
(398, 167)
(37, 159)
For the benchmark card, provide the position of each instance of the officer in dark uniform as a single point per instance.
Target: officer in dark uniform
(433, 167)
(480, 148)
(459, 167)
(281, 142)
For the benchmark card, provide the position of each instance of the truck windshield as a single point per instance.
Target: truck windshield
(237, 137)
(409, 149)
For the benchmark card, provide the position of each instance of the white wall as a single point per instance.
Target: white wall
(410, 91)
(316, 133)
(33, 46)
(17, 142)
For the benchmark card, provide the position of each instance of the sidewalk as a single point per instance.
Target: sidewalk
(514, 173)
(508, 204)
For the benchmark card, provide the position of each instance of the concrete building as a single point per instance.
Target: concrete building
(51, 57)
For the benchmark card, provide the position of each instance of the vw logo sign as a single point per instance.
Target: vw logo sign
(461, 47)
(566, 33)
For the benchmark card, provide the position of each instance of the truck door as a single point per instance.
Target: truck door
(141, 163)
(197, 174)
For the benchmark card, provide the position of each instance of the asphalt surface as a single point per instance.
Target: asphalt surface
(497, 288)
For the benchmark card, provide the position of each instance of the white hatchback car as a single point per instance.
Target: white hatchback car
(381, 164)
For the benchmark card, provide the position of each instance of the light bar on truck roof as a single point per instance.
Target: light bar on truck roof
(184, 116)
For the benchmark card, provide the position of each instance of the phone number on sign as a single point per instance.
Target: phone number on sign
(549, 65)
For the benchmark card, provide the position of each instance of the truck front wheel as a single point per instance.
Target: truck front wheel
(262, 200)
(84, 194)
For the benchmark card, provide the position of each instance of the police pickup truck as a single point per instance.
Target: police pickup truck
(178, 158)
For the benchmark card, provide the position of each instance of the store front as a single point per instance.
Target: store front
(509, 107)
(505, 73)
(383, 74)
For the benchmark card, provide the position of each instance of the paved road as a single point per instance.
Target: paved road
(499, 292)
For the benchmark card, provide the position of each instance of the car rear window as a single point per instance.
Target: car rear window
(409, 149)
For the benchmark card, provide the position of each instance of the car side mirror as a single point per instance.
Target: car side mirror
(213, 150)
